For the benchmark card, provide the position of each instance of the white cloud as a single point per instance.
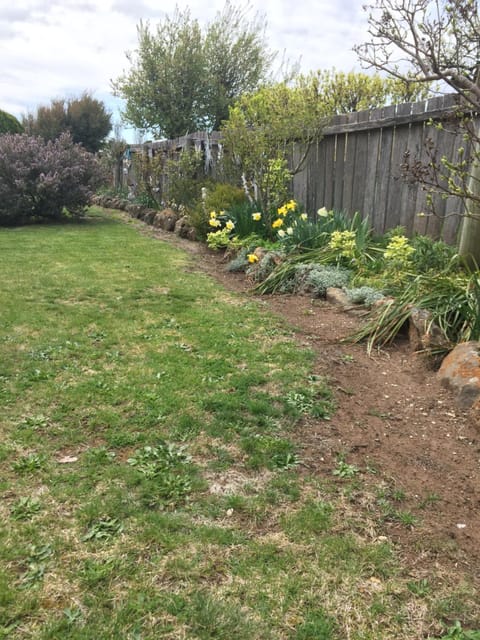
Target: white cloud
(60, 48)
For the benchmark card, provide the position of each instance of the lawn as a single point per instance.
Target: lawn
(151, 485)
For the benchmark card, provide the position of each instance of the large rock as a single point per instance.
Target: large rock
(166, 219)
(135, 210)
(184, 229)
(423, 333)
(460, 371)
(149, 216)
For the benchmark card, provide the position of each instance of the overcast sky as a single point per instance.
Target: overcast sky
(60, 48)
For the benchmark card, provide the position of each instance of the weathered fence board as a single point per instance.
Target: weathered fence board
(362, 155)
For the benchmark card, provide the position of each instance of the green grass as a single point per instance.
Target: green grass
(152, 485)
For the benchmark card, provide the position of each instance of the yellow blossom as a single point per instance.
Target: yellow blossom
(277, 223)
(256, 216)
(213, 214)
(213, 222)
(252, 258)
(398, 249)
(304, 216)
(230, 225)
(343, 242)
(282, 211)
(291, 205)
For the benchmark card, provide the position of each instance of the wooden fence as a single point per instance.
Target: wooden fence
(356, 166)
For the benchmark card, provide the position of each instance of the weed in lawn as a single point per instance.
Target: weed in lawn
(103, 530)
(30, 463)
(25, 508)
(345, 470)
(36, 562)
(456, 632)
(420, 588)
(34, 422)
(269, 451)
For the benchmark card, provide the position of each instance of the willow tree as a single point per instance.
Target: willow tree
(437, 41)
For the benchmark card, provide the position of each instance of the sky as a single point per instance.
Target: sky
(60, 48)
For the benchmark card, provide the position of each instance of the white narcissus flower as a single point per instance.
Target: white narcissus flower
(281, 233)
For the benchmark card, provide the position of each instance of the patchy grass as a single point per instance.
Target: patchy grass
(151, 485)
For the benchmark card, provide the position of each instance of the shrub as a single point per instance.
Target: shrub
(44, 180)
(221, 197)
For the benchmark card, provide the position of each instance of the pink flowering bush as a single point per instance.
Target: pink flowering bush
(44, 180)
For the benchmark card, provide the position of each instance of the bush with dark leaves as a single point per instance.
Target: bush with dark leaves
(44, 180)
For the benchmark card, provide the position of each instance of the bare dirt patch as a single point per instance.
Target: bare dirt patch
(393, 421)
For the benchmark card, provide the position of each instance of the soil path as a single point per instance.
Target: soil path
(392, 418)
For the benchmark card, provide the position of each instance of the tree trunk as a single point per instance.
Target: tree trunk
(469, 245)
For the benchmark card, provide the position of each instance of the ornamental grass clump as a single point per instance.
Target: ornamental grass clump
(452, 299)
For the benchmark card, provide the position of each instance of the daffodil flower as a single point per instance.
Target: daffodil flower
(252, 258)
(230, 225)
(281, 233)
(304, 216)
(323, 213)
(277, 223)
(257, 216)
(290, 231)
(213, 222)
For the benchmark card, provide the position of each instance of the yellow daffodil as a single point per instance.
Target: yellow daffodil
(213, 222)
(252, 258)
(291, 205)
(282, 211)
(257, 216)
(277, 223)
(230, 225)
(213, 214)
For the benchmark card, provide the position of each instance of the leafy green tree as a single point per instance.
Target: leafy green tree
(347, 92)
(183, 79)
(437, 41)
(259, 132)
(9, 124)
(85, 118)
(88, 121)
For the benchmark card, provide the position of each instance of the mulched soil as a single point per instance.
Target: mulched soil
(392, 416)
